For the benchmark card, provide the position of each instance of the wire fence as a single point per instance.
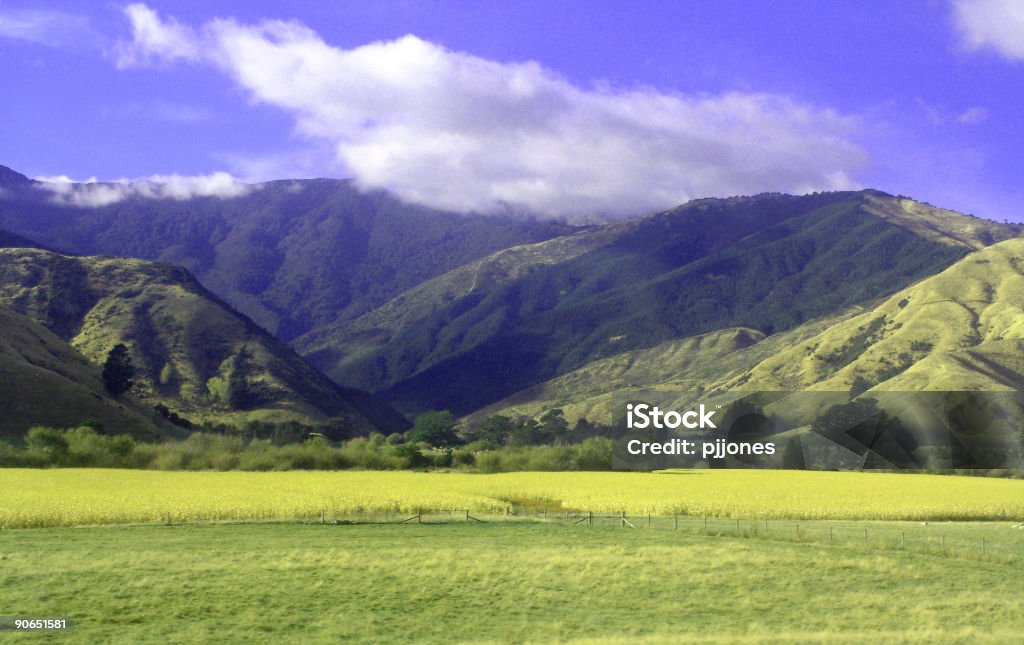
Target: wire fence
(1002, 541)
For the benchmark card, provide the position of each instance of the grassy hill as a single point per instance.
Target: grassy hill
(767, 263)
(46, 381)
(959, 330)
(291, 255)
(962, 329)
(672, 375)
(192, 353)
(348, 342)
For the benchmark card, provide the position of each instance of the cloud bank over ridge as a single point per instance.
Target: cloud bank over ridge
(452, 130)
(91, 193)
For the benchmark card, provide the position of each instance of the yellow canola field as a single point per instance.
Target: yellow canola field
(67, 497)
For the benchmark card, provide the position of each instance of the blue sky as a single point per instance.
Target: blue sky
(560, 108)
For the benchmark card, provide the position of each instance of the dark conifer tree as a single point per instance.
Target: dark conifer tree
(118, 373)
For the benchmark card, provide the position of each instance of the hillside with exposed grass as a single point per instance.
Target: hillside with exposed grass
(769, 263)
(46, 381)
(960, 330)
(191, 352)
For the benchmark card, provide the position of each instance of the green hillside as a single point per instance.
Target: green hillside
(45, 381)
(960, 330)
(672, 375)
(767, 263)
(291, 255)
(346, 342)
(190, 351)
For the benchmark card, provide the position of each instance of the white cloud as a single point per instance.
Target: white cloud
(938, 115)
(452, 130)
(154, 39)
(973, 115)
(47, 27)
(996, 24)
(91, 193)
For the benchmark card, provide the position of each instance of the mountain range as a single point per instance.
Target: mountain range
(524, 315)
(961, 329)
(478, 314)
(290, 255)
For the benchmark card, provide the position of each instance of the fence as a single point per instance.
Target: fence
(956, 539)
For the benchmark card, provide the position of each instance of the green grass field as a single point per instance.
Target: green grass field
(499, 582)
(146, 556)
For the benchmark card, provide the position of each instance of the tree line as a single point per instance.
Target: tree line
(85, 447)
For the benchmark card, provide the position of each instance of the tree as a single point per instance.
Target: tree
(859, 386)
(118, 371)
(495, 428)
(526, 432)
(553, 426)
(437, 428)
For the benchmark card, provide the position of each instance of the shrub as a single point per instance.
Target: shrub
(47, 443)
(84, 447)
(594, 454)
(463, 457)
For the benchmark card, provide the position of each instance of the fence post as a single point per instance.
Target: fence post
(648, 520)
(903, 540)
(467, 516)
(766, 527)
(830, 535)
(419, 516)
(705, 525)
(737, 527)
(675, 522)
(323, 516)
(865, 535)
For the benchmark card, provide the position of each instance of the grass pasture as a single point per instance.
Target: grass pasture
(781, 558)
(484, 583)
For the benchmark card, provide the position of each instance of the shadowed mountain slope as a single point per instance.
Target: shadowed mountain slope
(45, 381)
(291, 255)
(191, 352)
